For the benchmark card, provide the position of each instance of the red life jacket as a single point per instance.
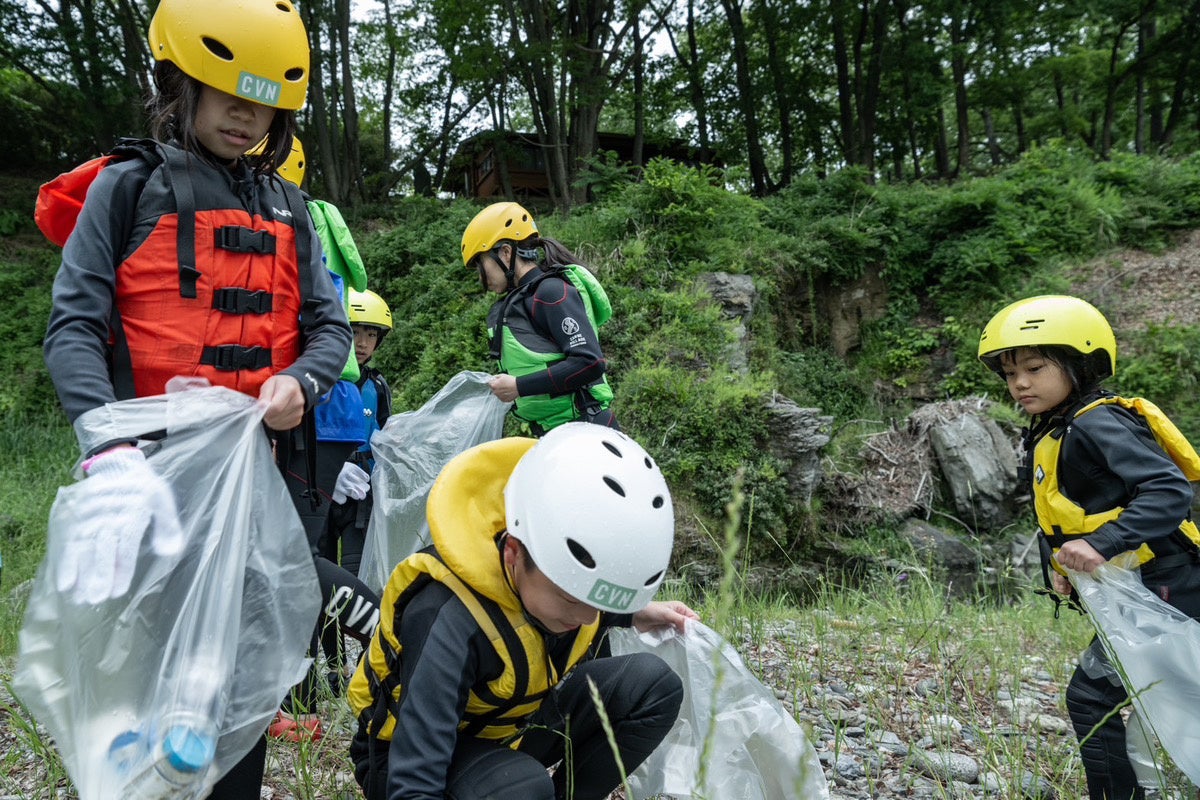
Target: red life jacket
(215, 279)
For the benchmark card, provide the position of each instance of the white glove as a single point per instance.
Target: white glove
(353, 481)
(119, 500)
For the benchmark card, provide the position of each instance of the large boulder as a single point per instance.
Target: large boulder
(976, 460)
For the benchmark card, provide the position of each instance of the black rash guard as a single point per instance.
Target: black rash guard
(553, 301)
(445, 654)
(1109, 458)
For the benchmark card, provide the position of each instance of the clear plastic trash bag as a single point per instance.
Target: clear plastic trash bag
(757, 752)
(409, 452)
(1155, 649)
(206, 642)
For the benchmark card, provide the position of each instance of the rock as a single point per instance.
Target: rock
(976, 461)
(945, 766)
(737, 297)
(797, 437)
(955, 562)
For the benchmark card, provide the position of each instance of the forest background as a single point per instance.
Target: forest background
(943, 157)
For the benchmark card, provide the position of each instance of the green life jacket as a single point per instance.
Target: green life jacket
(522, 350)
(341, 258)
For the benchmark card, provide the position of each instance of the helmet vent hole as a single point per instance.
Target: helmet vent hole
(294, 74)
(616, 487)
(284, 7)
(649, 463)
(653, 579)
(658, 501)
(581, 554)
(612, 448)
(218, 49)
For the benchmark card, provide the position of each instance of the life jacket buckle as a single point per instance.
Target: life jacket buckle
(236, 300)
(244, 240)
(234, 357)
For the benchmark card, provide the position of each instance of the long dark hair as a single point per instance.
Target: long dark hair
(173, 119)
(556, 253)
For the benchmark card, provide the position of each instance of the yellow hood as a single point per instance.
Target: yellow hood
(465, 510)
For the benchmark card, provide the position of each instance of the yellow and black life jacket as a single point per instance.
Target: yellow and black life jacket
(1060, 517)
(466, 516)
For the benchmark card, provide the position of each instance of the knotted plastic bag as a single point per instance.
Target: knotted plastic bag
(409, 452)
(749, 745)
(1155, 649)
(207, 640)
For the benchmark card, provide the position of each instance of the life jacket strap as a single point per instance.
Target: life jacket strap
(232, 357)
(239, 239)
(236, 300)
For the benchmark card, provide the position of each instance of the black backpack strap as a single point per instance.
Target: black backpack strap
(302, 227)
(518, 293)
(153, 154)
(175, 167)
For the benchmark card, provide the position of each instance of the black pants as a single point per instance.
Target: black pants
(343, 543)
(1110, 775)
(244, 781)
(347, 604)
(641, 697)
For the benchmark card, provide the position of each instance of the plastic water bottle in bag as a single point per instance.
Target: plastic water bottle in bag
(170, 756)
(182, 749)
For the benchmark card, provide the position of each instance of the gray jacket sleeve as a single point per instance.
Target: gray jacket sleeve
(328, 338)
(76, 347)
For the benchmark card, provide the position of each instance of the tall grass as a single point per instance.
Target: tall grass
(904, 649)
(38, 452)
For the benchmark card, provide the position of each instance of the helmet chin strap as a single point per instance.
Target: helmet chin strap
(508, 578)
(510, 272)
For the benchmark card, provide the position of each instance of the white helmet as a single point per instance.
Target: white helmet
(594, 512)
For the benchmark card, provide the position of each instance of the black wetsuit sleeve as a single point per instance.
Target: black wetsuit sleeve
(444, 655)
(1109, 458)
(76, 347)
(557, 309)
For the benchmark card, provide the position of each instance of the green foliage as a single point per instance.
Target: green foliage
(982, 236)
(704, 429)
(819, 378)
(688, 221)
(39, 448)
(604, 173)
(836, 226)
(1161, 364)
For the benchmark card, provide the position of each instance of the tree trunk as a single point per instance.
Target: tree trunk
(845, 91)
(993, 146)
(355, 189)
(319, 111)
(759, 178)
(959, 38)
(639, 93)
(782, 83)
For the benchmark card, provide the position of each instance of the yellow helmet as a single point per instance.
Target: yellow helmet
(293, 168)
(254, 49)
(1051, 320)
(368, 308)
(496, 223)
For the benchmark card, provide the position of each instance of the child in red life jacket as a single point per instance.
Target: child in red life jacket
(205, 264)
(1102, 485)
